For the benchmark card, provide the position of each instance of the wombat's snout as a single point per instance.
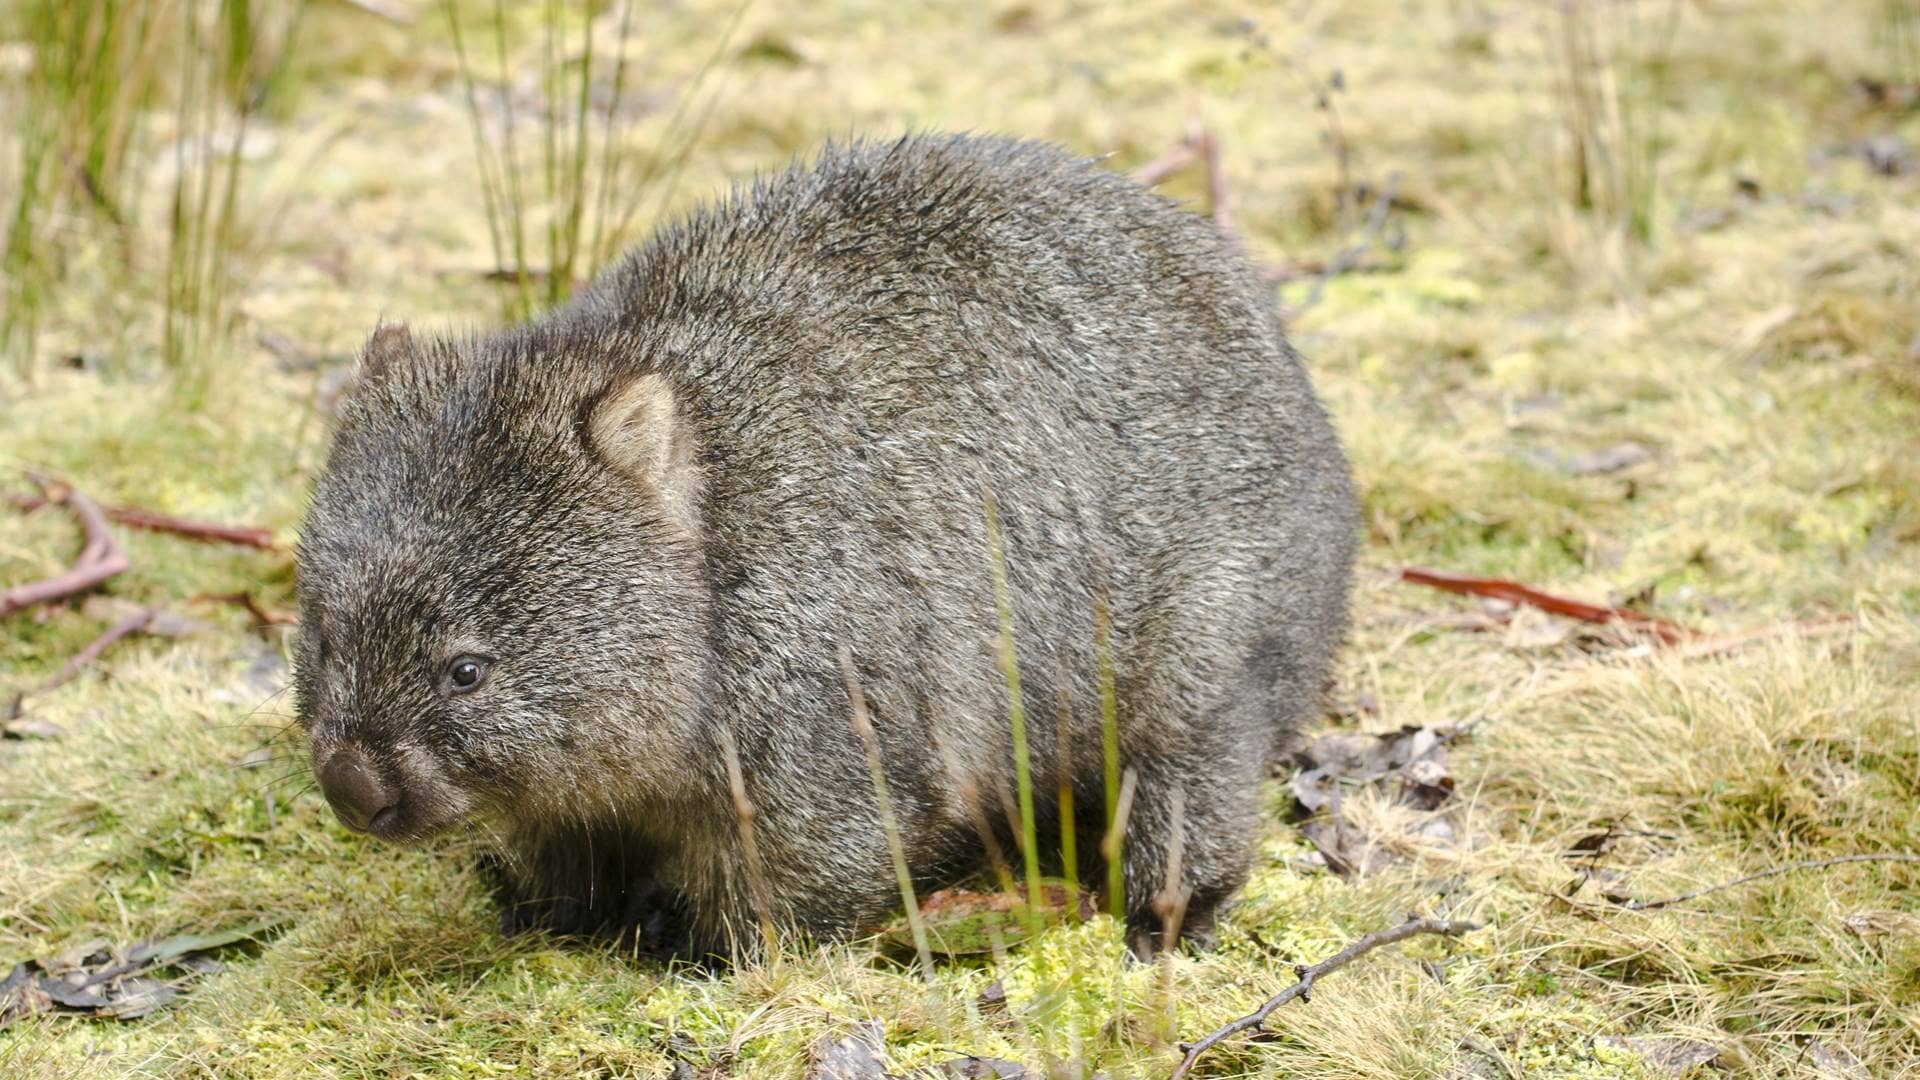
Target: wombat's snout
(362, 800)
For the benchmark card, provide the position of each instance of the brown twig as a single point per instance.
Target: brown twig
(133, 516)
(132, 624)
(1167, 164)
(1516, 593)
(1282, 273)
(1726, 643)
(1306, 976)
(245, 535)
(262, 615)
(100, 557)
(1807, 864)
(78, 662)
(1218, 196)
(1351, 257)
(1198, 145)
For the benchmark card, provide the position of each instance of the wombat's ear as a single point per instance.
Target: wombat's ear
(389, 345)
(636, 429)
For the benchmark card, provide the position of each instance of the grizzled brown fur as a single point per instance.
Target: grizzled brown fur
(551, 574)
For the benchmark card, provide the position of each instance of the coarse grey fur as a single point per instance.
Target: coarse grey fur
(835, 365)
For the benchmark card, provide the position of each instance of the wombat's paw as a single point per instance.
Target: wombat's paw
(562, 918)
(1199, 933)
(650, 922)
(659, 924)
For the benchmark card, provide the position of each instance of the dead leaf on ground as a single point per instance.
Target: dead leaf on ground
(1881, 923)
(1342, 762)
(981, 1068)
(94, 978)
(1610, 459)
(1666, 1056)
(860, 1054)
(1833, 1061)
(1346, 851)
(1418, 755)
(26, 727)
(968, 922)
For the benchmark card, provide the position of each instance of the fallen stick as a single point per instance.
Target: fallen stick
(1283, 273)
(1350, 257)
(1167, 164)
(1808, 864)
(1305, 976)
(135, 623)
(1516, 593)
(1218, 197)
(133, 516)
(1198, 145)
(1726, 643)
(100, 557)
(262, 615)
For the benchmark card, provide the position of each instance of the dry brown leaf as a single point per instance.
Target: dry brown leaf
(1881, 923)
(1666, 1056)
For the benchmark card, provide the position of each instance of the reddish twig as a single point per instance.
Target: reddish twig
(1305, 977)
(1199, 145)
(100, 557)
(262, 615)
(1516, 593)
(1167, 164)
(1807, 864)
(244, 535)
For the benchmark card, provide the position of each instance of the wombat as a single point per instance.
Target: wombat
(588, 581)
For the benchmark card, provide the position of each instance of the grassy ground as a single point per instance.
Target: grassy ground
(1730, 287)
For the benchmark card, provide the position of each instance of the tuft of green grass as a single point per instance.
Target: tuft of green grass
(225, 72)
(584, 188)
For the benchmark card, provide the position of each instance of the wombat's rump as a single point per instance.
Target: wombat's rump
(563, 577)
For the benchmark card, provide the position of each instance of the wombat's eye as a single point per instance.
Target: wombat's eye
(465, 673)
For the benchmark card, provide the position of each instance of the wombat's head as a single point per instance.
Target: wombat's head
(501, 588)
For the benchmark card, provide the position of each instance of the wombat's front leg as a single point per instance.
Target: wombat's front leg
(1188, 845)
(581, 884)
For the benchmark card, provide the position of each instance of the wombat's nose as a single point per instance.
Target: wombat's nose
(357, 793)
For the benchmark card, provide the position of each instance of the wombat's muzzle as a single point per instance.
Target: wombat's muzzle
(363, 801)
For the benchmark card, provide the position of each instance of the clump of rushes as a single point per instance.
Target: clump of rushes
(227, 68)
(581, 191)
(1607, 94)
(77, 120)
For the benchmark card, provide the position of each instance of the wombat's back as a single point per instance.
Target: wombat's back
(870, 346)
